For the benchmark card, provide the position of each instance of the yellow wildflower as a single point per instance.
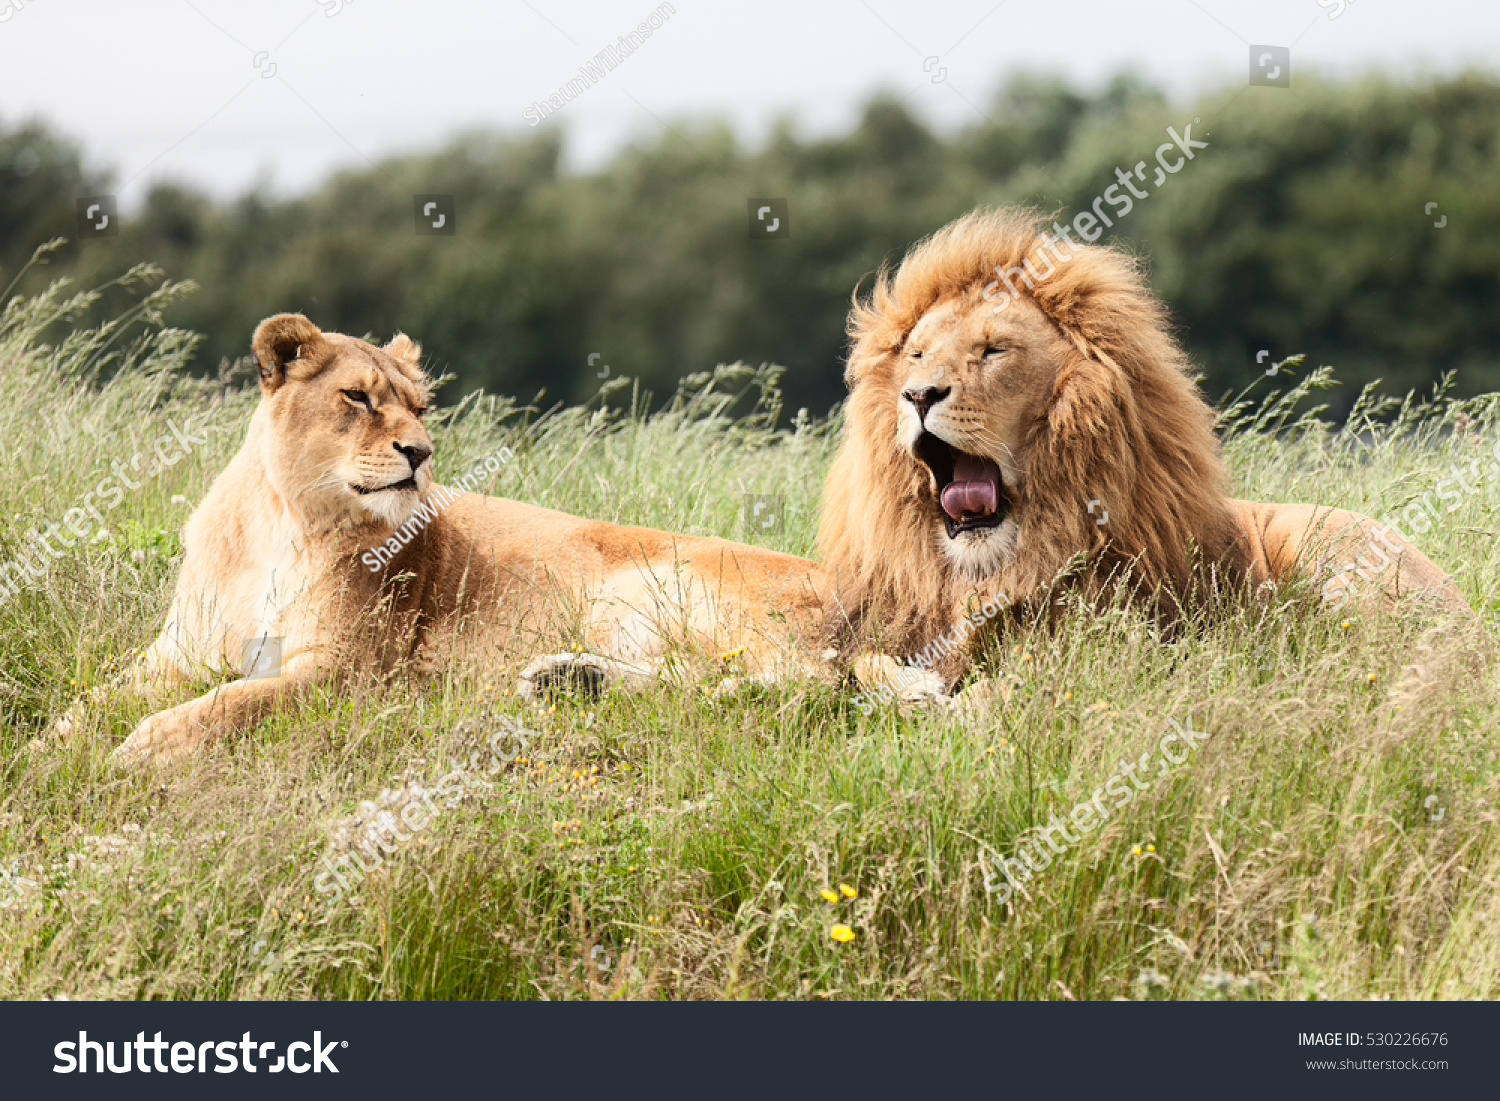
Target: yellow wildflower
(848, 891)
(829, 897)
(841, 933)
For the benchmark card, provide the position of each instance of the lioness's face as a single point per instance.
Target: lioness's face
(971, 381)
(349, 443)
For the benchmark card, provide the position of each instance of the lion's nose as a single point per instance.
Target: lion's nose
(925, 397)
(415, 454)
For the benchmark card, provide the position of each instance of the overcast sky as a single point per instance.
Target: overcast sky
(227, 94)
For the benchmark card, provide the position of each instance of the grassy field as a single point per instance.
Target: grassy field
(1335, 837)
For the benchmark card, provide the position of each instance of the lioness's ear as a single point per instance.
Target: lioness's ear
(408, 356)
(278, 342)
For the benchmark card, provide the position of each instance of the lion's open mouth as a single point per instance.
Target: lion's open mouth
(971, 492)
(405, 483)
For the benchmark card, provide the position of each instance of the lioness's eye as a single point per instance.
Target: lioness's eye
(420, 413)
(915, 354)
(359, 397)
(995, 351)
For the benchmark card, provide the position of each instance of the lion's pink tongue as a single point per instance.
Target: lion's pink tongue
(975, 489)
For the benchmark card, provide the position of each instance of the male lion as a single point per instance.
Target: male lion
(327, 540)
(1010, 426)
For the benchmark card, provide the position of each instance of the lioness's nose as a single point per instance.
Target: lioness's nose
(925, 397)
(415, 454)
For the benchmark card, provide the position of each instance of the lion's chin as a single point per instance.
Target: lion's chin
(978, 554)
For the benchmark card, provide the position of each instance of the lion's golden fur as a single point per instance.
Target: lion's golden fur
(1102, 409)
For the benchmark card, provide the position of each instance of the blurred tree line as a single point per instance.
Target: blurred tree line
(1305, 226)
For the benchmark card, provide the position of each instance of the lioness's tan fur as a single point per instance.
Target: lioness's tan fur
(276, 551)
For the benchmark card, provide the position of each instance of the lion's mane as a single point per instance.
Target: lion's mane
(1125, 425)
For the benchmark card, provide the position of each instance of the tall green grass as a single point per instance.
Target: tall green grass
(1335, 838)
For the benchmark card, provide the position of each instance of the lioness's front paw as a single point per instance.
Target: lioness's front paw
(589, 674)
(160, 739)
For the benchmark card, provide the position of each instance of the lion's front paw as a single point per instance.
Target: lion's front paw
(589, 674)
(883, 675)
(161, 739)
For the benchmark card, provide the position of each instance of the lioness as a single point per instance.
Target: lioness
(1020, 417)
(325, 546)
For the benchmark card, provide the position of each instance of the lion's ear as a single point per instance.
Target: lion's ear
(278, 342)
(408, 356)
